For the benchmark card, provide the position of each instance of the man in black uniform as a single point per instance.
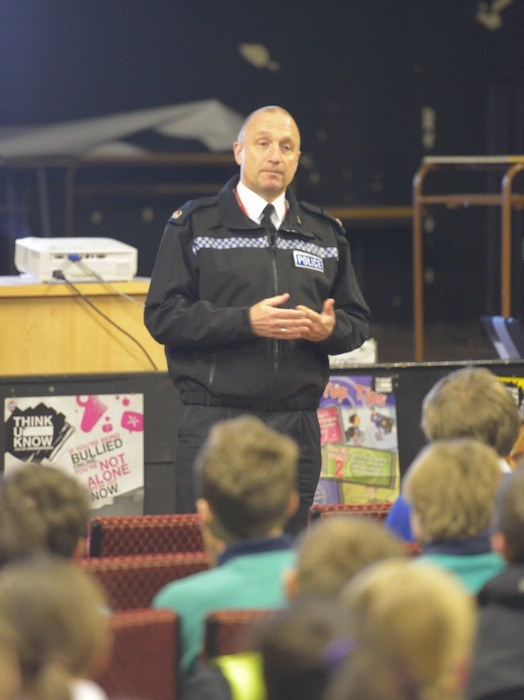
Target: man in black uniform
(250, 292)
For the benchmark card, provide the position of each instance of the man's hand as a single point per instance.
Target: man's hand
(322, 323)
(268, 320)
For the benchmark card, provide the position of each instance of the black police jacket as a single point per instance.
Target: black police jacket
(213, 264)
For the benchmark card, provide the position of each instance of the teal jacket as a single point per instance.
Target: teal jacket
(249, 575)
(471, 560)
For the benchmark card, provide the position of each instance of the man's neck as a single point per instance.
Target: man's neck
(253, 204)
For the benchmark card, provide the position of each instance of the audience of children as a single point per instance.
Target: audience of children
(451, 488)
(397, 630)
(248, 486)
(498, 666)
(329, 554)
(469, 402)
(352, 626)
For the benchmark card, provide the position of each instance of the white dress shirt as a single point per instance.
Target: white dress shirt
(254, 205)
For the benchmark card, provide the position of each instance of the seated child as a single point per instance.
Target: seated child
(22, 533)
(60, 501)
(412, 627)
(498, 661)
(248, 485)
(10, 676)
(451, 488)
(62, 636)
(300, 648)
(470, 402)
(333, 550)
(329, 554)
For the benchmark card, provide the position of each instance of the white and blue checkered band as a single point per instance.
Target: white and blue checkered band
(206, 242)
(203, 242)
(308, 248)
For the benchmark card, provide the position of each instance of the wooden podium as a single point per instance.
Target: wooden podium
(50, 329)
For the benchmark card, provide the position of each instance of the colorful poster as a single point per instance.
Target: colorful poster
(100, 439)
(358, 424)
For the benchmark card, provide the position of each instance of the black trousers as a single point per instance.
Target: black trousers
(302, 426)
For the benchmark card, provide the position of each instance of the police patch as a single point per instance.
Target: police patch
(308, 261)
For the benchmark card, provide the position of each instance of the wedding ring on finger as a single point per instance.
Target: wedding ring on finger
(284, 330)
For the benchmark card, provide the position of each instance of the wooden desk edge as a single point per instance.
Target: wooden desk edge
(13, 286)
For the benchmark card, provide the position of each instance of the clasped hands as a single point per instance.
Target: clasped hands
(269, 320)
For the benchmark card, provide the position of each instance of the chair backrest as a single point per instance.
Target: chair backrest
(378, 511)
(132, 582)
(231, 631)
(144, 662)
(144, 534)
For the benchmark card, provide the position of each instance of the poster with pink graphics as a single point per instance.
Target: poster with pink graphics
(99, 439)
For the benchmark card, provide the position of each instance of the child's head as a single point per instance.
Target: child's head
(62, 632)
(509, 535)
(451, 486)
(301, 646)
(334, 550)
(472, 402)
(22, 532)
(10, 676)
(247, 474)
(416, 620)
(366, 676)
(60, 501)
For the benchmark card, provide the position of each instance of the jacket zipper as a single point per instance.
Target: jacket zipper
(276, 343)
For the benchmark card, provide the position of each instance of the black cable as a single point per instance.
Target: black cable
(58, 274)
(89, 271)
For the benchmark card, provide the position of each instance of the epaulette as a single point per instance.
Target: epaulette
(315, 209)
(180, 215)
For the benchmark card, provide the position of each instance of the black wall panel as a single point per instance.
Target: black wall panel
(359, 76)
(162, 410)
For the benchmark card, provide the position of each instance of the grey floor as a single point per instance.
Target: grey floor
(443, 342)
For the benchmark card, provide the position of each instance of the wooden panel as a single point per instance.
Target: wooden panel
(49, 329)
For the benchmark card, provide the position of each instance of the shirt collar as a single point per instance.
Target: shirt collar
(258, 546)
(254, 205)
(471, 545)
(504, 466)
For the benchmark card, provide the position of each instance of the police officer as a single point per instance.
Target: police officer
(250, 292)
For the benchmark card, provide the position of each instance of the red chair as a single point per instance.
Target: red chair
(378, 511)
(231, 631)
(144, 534)
(144, 662)
(132, 582)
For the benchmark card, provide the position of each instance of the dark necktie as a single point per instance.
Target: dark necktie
(267, 223)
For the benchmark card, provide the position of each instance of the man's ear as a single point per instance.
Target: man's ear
(80, 549)
(499, 544)
(293, 504)
(291, 584)
(237, 151)
(213, 543)
(462, 673)
(417, 526)
(205, 512)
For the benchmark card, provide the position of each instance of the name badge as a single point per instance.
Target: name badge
(308, 261)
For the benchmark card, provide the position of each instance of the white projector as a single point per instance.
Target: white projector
(76, 259)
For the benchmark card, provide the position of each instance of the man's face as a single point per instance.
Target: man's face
(268, 154)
